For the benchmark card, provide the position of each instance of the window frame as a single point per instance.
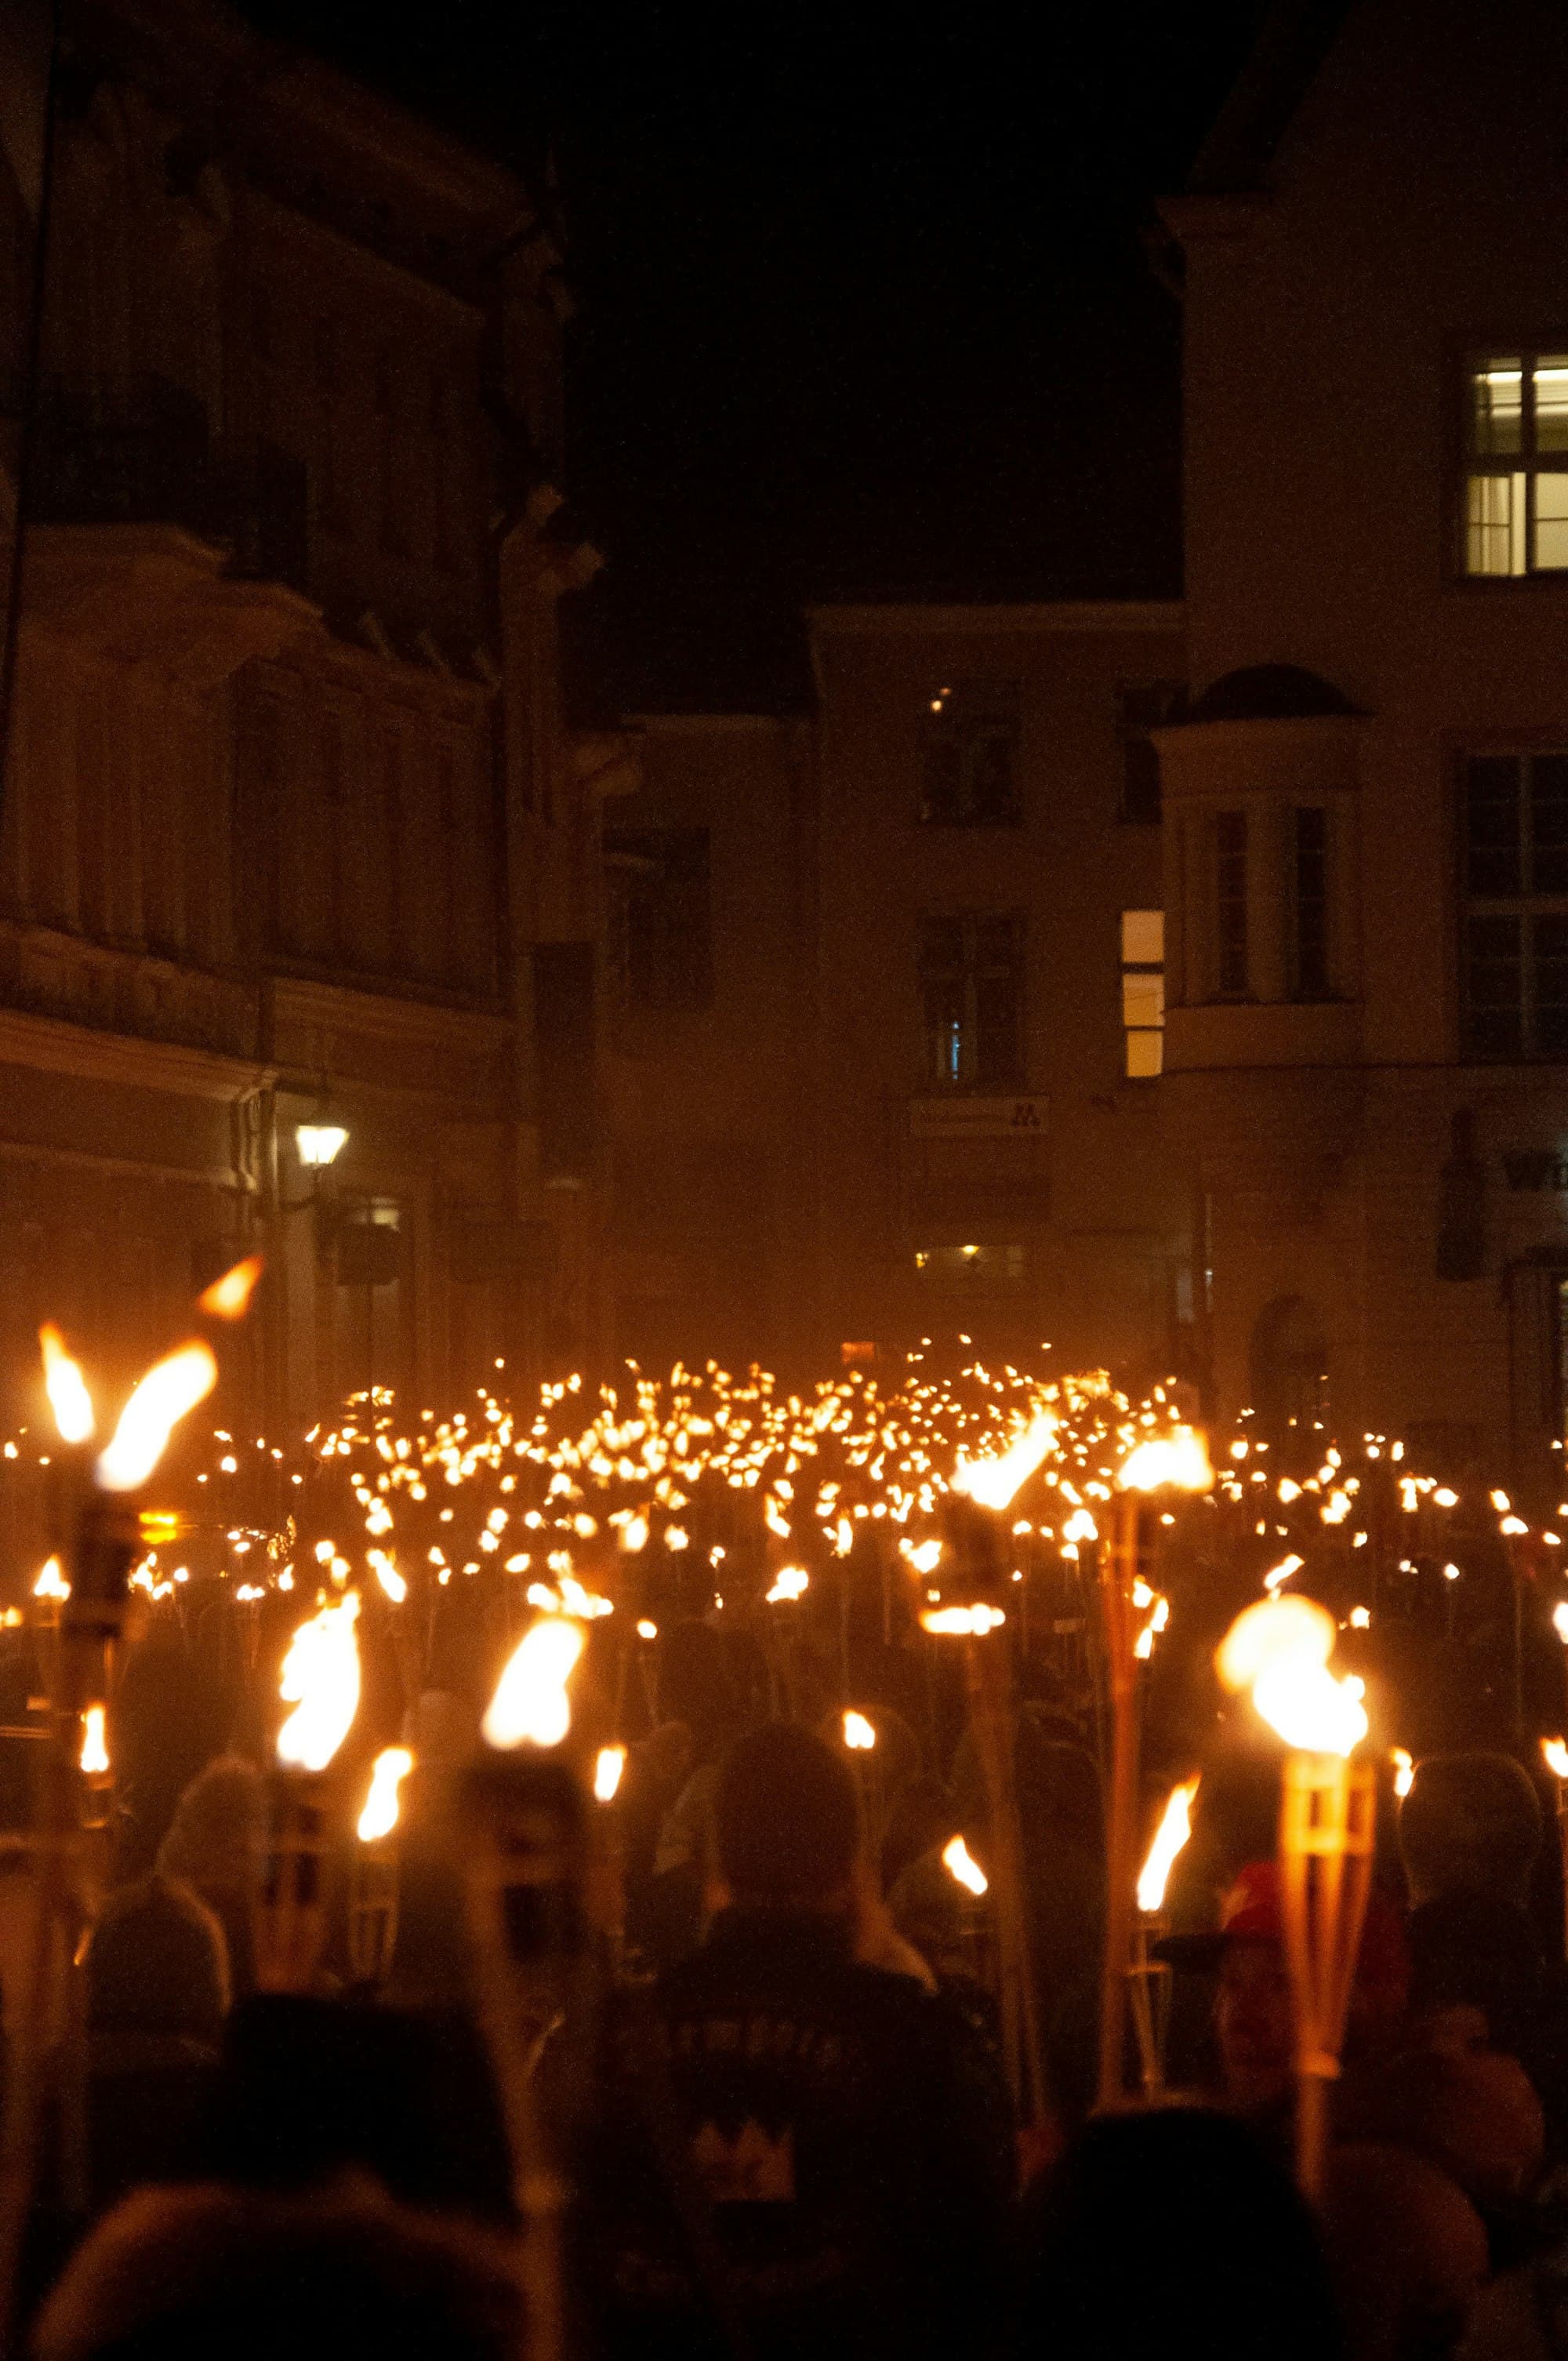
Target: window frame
(971, 1079)
(1525, 905)
(1471, 464)
(976, 691)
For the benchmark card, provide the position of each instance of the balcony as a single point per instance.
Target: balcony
(122, 451)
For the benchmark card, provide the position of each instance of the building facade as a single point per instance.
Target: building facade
(293, 827)
(890, 1002)
(1367, 974)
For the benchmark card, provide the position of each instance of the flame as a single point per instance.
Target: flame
(959, 1862)
(532, 1700)
(634, 1535)
(609, 1764)
(1556, 1755)
(925, 1557)
(1280, 1648)
(1174, 1827)
(788, 1583)
(94, 1756)
(387, 1771)
(993, 1482)
(858, 1734)
(1180, 1458)
(1560, 1620)
(1405, 1769)
(171, 1388)
(962, 1622)
(229, 1298)
(66, 1388)
(320, 1680)
(51, 1582)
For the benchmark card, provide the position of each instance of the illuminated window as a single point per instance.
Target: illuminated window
(970, 1269)
(970, 775)
(1516, 487)
(1143, 993)
(1233, 969)
(1516, 917)
(972, 998)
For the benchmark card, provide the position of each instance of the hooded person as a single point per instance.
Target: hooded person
(792, 2147)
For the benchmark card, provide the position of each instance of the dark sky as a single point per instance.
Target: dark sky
(863, 305)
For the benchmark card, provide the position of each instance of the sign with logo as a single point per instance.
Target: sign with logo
(967, 1118)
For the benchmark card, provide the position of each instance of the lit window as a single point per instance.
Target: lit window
(1516, 490)
(970, 777)
(1516, 918)
(970, 1269)
(972, 996)
(1143, 993)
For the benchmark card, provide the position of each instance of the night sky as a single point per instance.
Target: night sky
(865, 308)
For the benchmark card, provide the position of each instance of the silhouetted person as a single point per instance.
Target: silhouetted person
(215, 1844)
(215, 2274)
(157, 1997)
(1172, 2231)
(813, 2152)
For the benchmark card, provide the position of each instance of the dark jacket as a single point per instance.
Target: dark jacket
(794, 2155)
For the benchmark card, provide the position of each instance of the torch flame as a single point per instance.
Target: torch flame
(1174, 1827)
(962, 1622)
(1556, 1755)
(790, 1582)
(532, 1700)
(993, 1482)
(66, 1388)
(94, 1756)
(51, 1582)
(1180, 1458)
(320, 1680)
(387, 1771)
(1279, 1648)
(1405, 1769)
(609, 1764)
(228, 1297)
(858, 1734)
(959, 1862)
(171, 1388)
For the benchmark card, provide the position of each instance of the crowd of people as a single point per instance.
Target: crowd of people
(770, 2119)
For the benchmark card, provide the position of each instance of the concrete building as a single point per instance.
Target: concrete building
(892, 1001)
(293, 825)
(1366, 806)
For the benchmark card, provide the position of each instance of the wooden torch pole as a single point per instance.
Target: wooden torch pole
(1118, 1569)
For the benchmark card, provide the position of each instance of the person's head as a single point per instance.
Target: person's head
(1471, 1824)
(216, 1836)
(157, 1963)
(1167, 2230)
(180, 2275)
(786, 1822)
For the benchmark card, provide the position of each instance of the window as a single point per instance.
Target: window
(1515, 487)
(1516, 917)
(1143, 993)
(1143, 706)
(1309, 899)
(1231, 970)
(971, 991)
(969, 777)
(970, 1269)
(660, 947)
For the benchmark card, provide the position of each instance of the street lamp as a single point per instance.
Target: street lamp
(319, 1144)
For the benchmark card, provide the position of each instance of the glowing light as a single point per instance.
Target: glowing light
(858, 1734)
(387, 1771)
(1513, 1525)
(51, 1582)
(171, 1388)
(228, 1297)
(533, 1702)
(93, 1758)
(646, 1630)
(609, 1764)
(1280, 1648)
(790, 1582)
(1180, 1459)
(66, 1388)
(1560, 1620)
(320, 1144)
(960, 1863)
(1556, 1754)
(993, 1482)
(1282, 1572)
(320, 1680)
(961, 1622)
(1404, 1769)
(925, 1557)
(387, 1575)
(1174, 1827)
(1361, 1619)
(634, 1535)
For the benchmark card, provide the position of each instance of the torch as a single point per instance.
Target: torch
(1555, 1754)
(373, 1873)
(1178, 1461)
(526, 1824)
(1280, 1648)
(1150, 1975)
(320, 1680)
(865, 1763)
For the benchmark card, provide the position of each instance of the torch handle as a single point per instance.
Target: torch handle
(1118, 1568)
